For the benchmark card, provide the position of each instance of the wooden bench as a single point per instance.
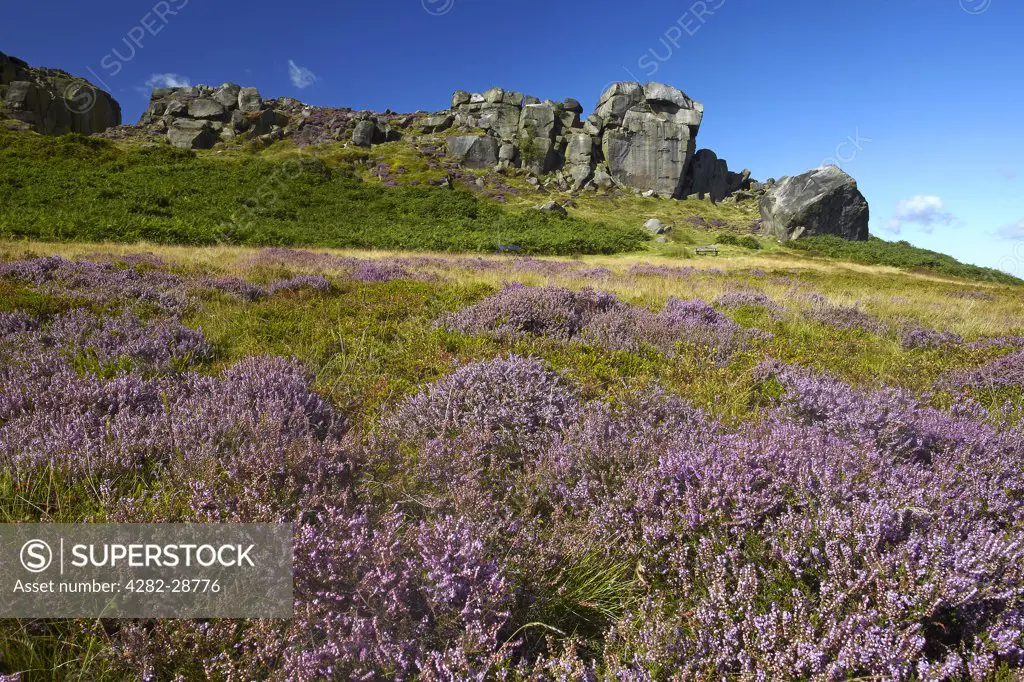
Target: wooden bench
(707, 250)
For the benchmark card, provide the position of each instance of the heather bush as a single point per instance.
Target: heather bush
(510, 404)
(599, 318)
(743, 298)
(299, 282)
(518, 310)
(504, 520)
(921, 337)
(844, 317)
(1003, 372)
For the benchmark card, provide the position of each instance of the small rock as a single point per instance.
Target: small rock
(655, 226)
(553, 207)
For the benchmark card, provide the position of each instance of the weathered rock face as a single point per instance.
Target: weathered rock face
(200, 116)
(53, 102)
(192, 134)
(822, 201)
(474, 151)
(642, 136)
(649, 135)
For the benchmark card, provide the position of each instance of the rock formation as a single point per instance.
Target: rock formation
(639, 138)
(54, 102)
(822, 201)
(199, 116)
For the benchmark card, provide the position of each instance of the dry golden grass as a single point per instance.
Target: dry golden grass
(888, 293)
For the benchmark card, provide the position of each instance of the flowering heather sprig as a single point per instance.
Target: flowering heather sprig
(511, 403)
(1001, 342)
(845, 317)
(740, 298)
(157, 346)
(519, 310)
(972, 295)
(380, 598)
(1004, 372)
(593, 273)
(662, 271)
(100, 282)
(922, 337)
(299, 282)
(17, 321)
(383, 270)
(234, 286)
(598, 318)
(290, 258)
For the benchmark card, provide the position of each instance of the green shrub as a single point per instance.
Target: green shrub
(727, 239)
(749, 242)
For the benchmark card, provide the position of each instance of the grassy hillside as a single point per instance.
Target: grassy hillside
(73, 188)
(899, 254)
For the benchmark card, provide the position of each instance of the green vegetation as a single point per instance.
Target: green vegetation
(899, 254)
(74, 188)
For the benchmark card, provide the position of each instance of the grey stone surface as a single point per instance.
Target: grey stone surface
(648, 135)
(207, 109)
(553, 207)
(227, 95)
(822, 201)
(364, 133)
(474, 151)
(437, 122)
(53, 102)
(191, 134)
(655, 226)
(536, 138)
(249, 100)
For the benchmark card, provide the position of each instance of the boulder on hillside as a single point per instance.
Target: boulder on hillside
(649, 135)
(54, 102)
(249, 100)
(474, 151)
(822, 201)
(536, 138)
(364, 133)
(207, 109)
(190, 134)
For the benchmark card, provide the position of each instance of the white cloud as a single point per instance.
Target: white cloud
(925, 211)
(168, 80)
(1013, 231)
(300, 75)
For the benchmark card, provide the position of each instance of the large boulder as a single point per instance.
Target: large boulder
(227, 95)
(474, 151)
(649, 135)
(536, 138)
(822, 201)
(54, 102)
(496, 111)
(207, 109)
(249, 100)
(364, 133)
(579, 158)
(191, 134)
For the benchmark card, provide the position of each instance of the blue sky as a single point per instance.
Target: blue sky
(922, 101)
